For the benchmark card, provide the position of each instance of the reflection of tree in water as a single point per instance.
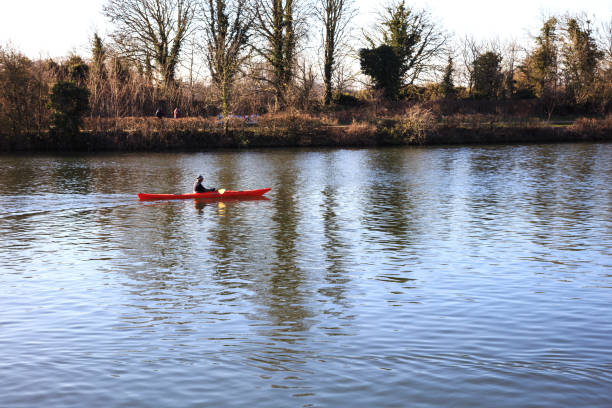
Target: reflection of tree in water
(74, 175)
(20, 175)
(161, 280)
(250, 266)
(284, 297)
(63, 175)
(558, 186)
(335, 249)
(390, 212)
(165, 251)
(166, 246)
(491, 170)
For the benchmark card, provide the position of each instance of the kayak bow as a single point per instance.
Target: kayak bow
(210, 195)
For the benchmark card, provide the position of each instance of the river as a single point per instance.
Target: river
(394, 277)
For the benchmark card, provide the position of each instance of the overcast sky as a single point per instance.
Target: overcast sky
(57, 27)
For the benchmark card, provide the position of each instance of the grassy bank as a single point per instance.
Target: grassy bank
(415, 126)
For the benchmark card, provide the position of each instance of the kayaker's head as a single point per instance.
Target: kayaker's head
(200, 178)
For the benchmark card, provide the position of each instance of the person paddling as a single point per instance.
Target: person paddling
(199, 188)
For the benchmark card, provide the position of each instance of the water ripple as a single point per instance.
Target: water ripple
(385, 277)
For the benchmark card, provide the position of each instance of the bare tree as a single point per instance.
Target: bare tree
(345, 76)
(192, 68)
(511, 52)
(304, 85)
(605, 71)
(226, 43)
(335, 15)
(280, 25)
(419, 42)
(152, 30)
(580, 57)
(470, 49)
(15, 92)
(606, 43)
(97, 76)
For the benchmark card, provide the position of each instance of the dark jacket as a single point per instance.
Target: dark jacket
(199, 188)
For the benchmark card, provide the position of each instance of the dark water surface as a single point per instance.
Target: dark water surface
(426, 277)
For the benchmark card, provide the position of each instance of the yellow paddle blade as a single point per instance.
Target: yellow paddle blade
(221, 190)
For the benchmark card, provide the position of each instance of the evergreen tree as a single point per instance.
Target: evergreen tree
(541, 66)
(382, 64)
(580, 59)
(447, 87)
(97, 76)
(487, 75)
(98, 57)
(76, 70)
(68, 103)
(414, 37)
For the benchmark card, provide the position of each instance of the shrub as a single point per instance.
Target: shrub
(346, 99)
(590, 126)
(69, 103)
(383, 65)
(417, 122)
(22, 90)
(410, 128)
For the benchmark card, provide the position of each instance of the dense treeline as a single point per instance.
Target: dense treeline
(257, 62)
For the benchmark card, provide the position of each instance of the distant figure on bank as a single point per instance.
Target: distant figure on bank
(159, 113)
(176, 112)
(199, 188)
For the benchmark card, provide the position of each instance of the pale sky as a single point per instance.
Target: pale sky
(55, 28)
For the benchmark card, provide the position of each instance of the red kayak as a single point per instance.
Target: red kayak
(214, 195)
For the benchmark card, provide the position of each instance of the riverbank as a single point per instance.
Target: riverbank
(418, 127)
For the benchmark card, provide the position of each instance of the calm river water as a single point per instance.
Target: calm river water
(409, 277)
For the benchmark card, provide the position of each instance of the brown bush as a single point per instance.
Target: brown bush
(587, 126)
